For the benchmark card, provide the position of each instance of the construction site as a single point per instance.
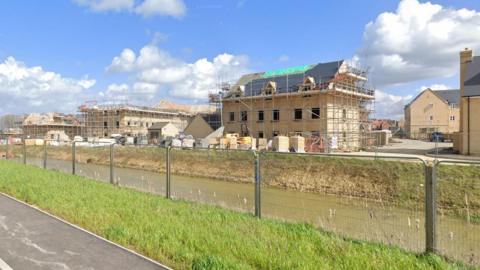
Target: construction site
(52, 126)
(107, 120)
(324, 106)
(312, 108)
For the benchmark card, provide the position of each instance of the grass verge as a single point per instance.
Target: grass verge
(185, 235)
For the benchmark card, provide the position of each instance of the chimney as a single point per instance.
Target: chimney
(465, 57)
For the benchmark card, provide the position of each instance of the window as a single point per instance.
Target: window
(431, 117)
(275, 133)
(105, 124)
(276, 115)
(260, 134)
(118, 124)
(315, 113)
(260, 116)
(452, 117)
(298, 114)
(243, 116)
(298, 133)
(128, 123)
(344, 113)
(231, 116)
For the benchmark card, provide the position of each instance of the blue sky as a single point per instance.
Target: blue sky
(78, 40)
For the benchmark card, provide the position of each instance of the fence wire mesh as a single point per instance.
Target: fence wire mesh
(219, 177)
(371, 199)
(458, 211)
(365, 199)
(141, 168)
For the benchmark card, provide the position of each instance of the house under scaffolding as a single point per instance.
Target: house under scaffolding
(328, 103)
(106, 120)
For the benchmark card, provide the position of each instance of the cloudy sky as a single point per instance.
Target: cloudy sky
(56, 54)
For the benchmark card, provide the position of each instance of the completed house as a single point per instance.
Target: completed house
(433, 111)
(468, 141)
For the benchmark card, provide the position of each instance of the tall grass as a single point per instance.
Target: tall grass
(185, 235)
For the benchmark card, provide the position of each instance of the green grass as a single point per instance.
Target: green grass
(186, 235)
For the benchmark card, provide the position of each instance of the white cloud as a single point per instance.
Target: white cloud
(283, 58)
(27, 89)
(146, 8)
(389, 105)
(107, 5)
(156, 70)
(435, 87)
(123, 62)
(417, 41)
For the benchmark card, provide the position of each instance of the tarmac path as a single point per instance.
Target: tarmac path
(33, 239)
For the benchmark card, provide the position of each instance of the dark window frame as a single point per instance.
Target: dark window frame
(298, 114)
(276, 115)
(244, 116)
(260, 115)
(316, 113)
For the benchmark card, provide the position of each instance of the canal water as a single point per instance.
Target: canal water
(357, 218)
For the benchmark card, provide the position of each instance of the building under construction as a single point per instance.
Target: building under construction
(328, 103)
(52, 126)
(103, 121)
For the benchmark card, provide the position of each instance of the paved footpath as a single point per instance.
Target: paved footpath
(31, 239)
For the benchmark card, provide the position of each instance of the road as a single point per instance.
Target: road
(31, 239)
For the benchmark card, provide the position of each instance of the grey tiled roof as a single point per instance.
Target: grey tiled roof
(472, 78)
(451, 96)
(322, 72)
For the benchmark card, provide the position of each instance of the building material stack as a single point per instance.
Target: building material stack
(297, 144)
(280, 144)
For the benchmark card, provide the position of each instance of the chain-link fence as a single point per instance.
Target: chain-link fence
(396, 200)
(458, 210)
(218, 177)
(357, 197)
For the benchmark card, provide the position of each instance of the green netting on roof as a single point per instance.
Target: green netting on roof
(285, 71)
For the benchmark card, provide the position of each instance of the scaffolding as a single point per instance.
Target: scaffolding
(112, 120)
(332, 113)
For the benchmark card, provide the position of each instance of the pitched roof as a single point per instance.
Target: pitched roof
(158, 125)
(471, 82)
(451, 96)
(289, 78)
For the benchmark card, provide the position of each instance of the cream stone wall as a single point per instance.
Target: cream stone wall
(469, 135)
(339, 116)
(429, 113)
(471, 129)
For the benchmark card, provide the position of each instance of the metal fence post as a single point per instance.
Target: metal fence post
(44, 154)
(258, 204)
(8, 148)
(24, 151)
(73, 157)
(430, 208)
(112, 175)
(167, 172)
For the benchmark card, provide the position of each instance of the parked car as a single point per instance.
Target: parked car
(437, 137)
